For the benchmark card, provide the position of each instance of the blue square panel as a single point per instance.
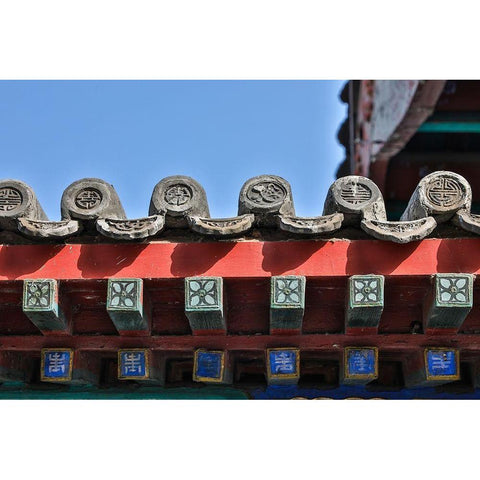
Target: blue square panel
(56, 364)
(132, 364)
(361, 362)
(283, 362)
(209, 365)
(441, 363)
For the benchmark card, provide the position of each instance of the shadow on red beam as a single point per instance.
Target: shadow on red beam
(240, 259)
(309, 342)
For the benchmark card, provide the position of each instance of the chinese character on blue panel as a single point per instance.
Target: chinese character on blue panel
(132, 364)
(361, 361)
(442, 363)
(283, 362)
(57, 364)
(208, 365)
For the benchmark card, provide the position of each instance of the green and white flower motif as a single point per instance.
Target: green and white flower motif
(123, 294)
(453, 290)
(38, 294)
(287, 290)
(366, 290)
(202, 293)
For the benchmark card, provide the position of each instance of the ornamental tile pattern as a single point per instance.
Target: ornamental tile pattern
(203, 293)
(123, 294)
(454, 289)
(366, 290)
(288, 291)
(180, 202)
(38, 294)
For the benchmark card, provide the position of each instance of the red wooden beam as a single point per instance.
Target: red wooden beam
(244, 343)
(245, 259)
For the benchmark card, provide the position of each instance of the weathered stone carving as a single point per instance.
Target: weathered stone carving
(131, 229)
(312, 225)
(89, 199)
(468, 221)
(440, 195)
(47, 229)
(264, 196)
(221, 227)
(10, 198)
(399, 232)
(357, 198)
(264, 201)
(178, 197)
(18, 200)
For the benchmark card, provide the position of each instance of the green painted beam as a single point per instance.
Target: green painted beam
(139, 393)
(450, 127)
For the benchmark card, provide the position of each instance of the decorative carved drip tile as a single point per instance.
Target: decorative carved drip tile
(204, 304)
(40, 305)
(360, 365)
(221, 227)
(364, 303)
(468, 221)
(311, 225)
(131, 229)
(46, 229)
(265, 202)
(56, 365)
(287, 304)
(210, 366)
(449, 303)
(399, 232)
(283, 366)
(125, 306)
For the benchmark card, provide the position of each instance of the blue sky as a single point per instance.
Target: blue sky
(134, 133)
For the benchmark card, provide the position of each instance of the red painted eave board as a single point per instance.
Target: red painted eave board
(240, 259)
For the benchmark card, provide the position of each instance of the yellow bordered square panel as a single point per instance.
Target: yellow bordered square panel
(209, 366)
(360, 363)
(442, 363)
(134, 364)
(283, 363)
(56, 364)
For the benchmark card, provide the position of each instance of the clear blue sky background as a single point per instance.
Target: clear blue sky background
(134, 133)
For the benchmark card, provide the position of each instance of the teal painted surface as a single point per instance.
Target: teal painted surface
(142, 393)
(451, 127)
